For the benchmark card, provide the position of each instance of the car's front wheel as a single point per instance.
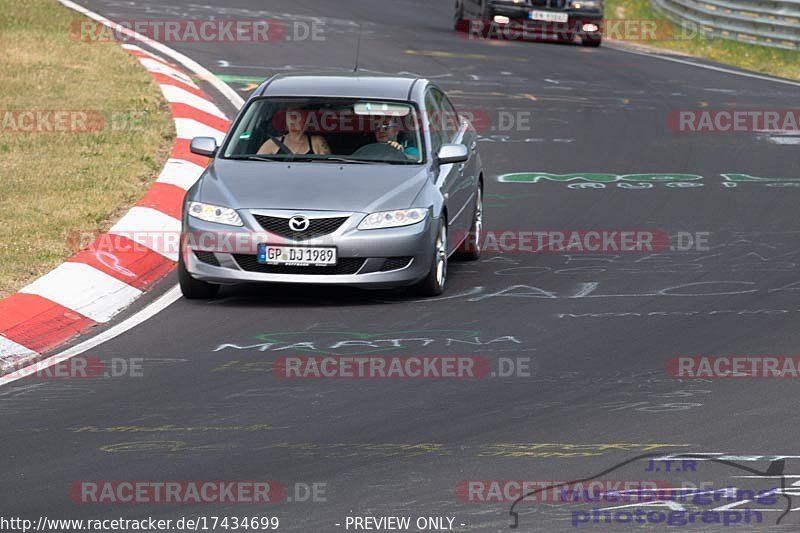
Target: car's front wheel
(433, 283)
(470, 249)
(194, 289)
(594, 42)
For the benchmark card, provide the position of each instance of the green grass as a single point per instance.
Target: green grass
(773, 61)
(53, 185)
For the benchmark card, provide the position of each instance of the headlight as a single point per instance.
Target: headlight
(393, 219)
(214, 213)
(586, 4)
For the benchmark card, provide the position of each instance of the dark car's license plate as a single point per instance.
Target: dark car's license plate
(548, 16)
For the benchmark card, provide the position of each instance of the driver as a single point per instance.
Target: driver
(296, 140)
(387, 131)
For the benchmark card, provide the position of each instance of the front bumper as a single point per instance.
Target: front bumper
(384, 258)
(518, 14)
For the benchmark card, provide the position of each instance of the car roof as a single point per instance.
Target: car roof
(354, 85)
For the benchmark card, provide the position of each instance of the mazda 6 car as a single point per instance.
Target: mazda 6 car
(363, 181)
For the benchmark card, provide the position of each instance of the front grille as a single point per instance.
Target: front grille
(317, 228)
(550, 4)
(207, 257)
(346, 265)
(395, 263)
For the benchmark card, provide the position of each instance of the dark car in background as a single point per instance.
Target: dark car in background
(533, 19)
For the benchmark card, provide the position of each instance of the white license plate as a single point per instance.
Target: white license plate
(296, 255)
(548, 16)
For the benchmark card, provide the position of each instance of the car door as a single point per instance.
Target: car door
(446, 175)
(462, 194)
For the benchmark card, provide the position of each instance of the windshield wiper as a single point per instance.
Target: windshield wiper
(258, 157)
(310, 159)
(333, 159)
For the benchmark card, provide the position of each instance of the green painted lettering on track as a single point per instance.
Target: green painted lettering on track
(747, 178)
(592, 177)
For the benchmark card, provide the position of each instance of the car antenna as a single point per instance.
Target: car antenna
(358, 48)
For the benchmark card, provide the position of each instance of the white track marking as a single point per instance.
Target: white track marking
(159, 67)
(191, 64)
(187, 128)
(134, 48)
(151, 228)
(176, 95)
(724, 70)
(180, 173)
(12, 354)
(173, 294)
(84, 289)
(164, 301)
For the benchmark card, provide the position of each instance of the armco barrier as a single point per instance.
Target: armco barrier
(774, 23)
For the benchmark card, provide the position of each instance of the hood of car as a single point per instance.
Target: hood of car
(311, 186)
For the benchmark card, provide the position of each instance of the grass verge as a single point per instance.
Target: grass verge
(772, 61)
(111, 136)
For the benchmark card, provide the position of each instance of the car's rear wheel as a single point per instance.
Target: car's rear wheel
(470, 249)
(593, 42)
(194, 289)
(433, 284)
(486, 12)
(487, 18)
(459, 22)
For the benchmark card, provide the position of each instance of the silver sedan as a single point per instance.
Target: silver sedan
(364, 181)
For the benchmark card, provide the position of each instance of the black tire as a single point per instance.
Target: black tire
(433, 284)
(593, 42)
(470, 249)
(487, 16)
(487, 19)
(460, 24)
(194, 289)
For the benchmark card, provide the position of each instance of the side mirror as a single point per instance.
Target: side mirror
(452, 153)
(205, 146)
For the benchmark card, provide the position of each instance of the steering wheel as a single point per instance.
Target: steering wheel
(380, 151)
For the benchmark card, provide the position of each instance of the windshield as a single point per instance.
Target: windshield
(327, 130)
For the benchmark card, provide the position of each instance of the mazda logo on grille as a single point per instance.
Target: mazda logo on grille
(299, 223)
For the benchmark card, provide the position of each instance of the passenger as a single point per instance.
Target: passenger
(296, 140)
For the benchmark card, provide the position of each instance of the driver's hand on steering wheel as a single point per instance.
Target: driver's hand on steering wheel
(396, 145)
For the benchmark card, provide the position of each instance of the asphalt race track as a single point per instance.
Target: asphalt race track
(597, 330)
